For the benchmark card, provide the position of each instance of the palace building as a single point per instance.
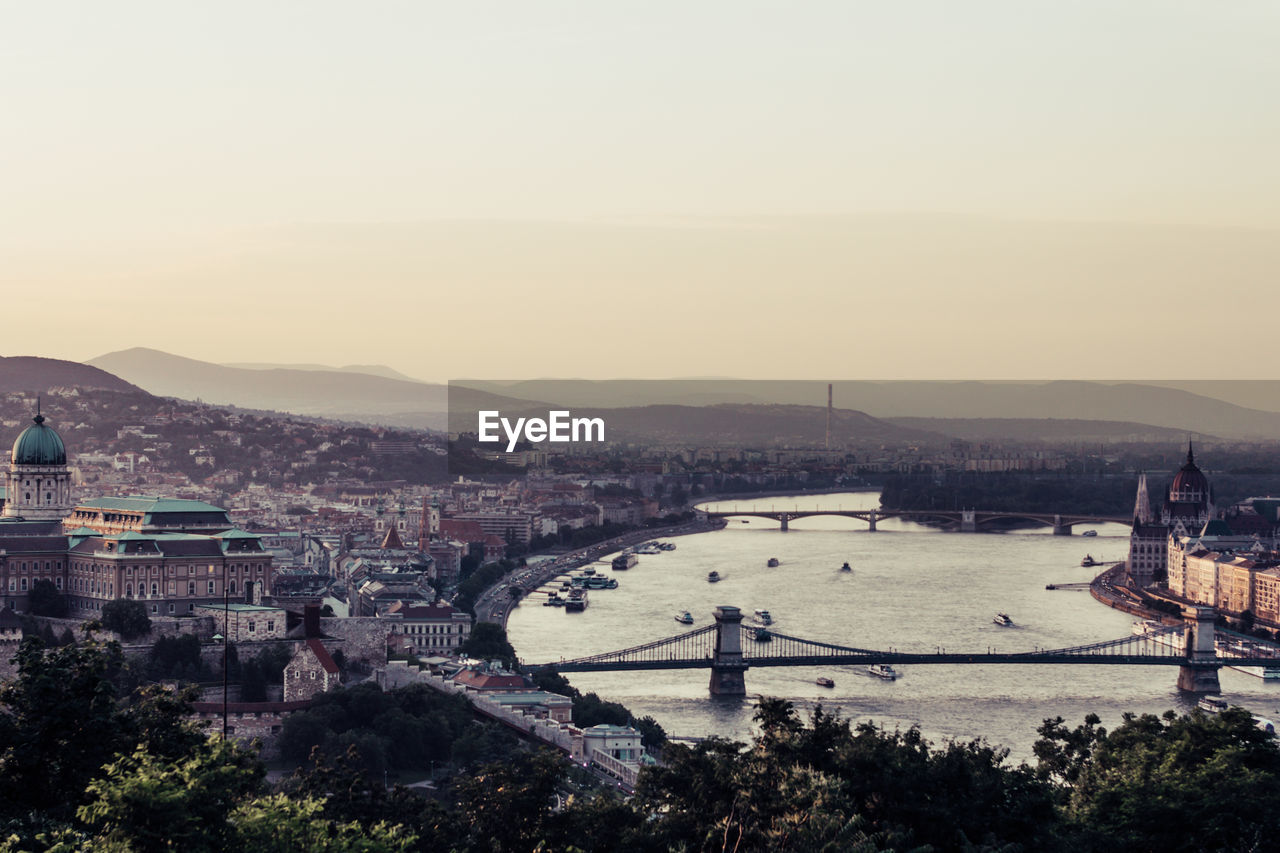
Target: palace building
(1187, 508)
(173, 555)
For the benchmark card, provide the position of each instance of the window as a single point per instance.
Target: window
(231, 588)
(155, 591)
(271, 625)
(313, 675)
(250, 626)
(170, 608)
(211, 587)
(59, 583)
(128, 590)
(191, 587)
(24, 584)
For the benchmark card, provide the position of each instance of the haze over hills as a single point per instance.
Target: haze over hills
(370, 369)
(33, 373)
(1125, 402)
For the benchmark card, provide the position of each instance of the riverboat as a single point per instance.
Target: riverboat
(666, 546)
(648, 548)
(773, 563)
(883, 670)
(577, 602)
(825, 682)
(685, 618)
(1003, 620)
(846, 567)
(1212, 704)
(601, 583)
(713, 577)
(624, 561)
(1090, 533)
(553, 600)
(762, 617)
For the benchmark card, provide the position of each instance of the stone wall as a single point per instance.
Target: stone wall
(249, 721)
(161, 626)
(364, 638)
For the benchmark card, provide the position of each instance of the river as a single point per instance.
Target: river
(912, 588)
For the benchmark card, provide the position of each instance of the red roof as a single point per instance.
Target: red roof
(322, 654)
(463, 531)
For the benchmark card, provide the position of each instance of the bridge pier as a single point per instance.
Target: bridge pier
(968, 521)
(728, 669)
(784, 518)
(871, 521)
(1060, 529)
(1200, 673)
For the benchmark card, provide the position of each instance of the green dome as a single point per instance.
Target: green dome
(39, 445)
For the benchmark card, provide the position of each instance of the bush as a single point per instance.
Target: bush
(126, 617)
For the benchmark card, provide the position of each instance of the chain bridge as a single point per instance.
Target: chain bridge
(729, 649)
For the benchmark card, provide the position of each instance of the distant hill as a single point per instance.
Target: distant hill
(1175, 408)
(32, 373)
(326, 393)
(1042, 429)
(367, 369)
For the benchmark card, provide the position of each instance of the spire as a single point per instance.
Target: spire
(1191, 457)
(39, 418)
(1142, 503)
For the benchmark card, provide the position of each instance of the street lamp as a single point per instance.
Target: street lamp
(224, 681)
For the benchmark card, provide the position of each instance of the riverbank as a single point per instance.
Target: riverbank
(495, 603)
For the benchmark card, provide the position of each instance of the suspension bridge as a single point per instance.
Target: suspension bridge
(721, 648)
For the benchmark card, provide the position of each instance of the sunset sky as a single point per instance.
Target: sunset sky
(993, 189)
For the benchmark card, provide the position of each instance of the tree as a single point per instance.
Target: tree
(127, 617)
(1173, 783)
(488, 641)
(46, 600)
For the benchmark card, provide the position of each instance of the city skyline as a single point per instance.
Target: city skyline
(1024, 191)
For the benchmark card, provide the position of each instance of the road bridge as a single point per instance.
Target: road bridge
(967, 520)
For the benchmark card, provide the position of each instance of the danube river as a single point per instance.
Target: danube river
(912, 588)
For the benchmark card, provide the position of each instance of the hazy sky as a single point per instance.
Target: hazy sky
(846, 189)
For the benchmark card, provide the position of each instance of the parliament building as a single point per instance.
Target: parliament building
(172, 555)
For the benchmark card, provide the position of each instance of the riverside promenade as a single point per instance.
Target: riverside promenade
(495, 603)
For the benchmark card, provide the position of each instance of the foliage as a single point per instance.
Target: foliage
(46, 600)
(488, 641)
(127, 617)
(1169, 783)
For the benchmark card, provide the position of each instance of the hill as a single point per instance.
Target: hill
(32, 373)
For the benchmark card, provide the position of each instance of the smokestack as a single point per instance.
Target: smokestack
(828, 447)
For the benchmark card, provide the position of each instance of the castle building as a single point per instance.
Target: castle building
(173, 555)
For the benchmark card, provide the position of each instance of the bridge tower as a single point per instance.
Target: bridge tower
(784, 518)
(968, 521)
(1060, 529)
(728, 667)
(1200, 673)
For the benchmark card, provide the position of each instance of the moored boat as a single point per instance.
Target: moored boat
(773, 563)
(1212, 704)
(624, 561)
(763, 636)
(846, 567)
(1090, 533)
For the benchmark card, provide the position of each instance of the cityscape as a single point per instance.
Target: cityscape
(583, 427)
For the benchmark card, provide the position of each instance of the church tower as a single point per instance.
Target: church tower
(1142, 503)
(38, 482)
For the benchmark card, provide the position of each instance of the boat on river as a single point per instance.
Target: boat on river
(846, 567)
(882, 670)
(1089, 562)
(713, 577)
(773, 563)
(763, 617)
(1003, 620)
(685, 618)
(1090, 533)
(576, 602)
(624, 561)
(763, 636)
(823, 681)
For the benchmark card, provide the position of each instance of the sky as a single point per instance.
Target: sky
(993, 189)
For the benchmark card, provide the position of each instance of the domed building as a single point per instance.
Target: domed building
(38, 482)
(1187, 508)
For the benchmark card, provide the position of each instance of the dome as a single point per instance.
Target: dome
(39, 445)
(1189, 478)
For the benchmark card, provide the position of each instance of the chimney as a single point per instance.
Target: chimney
(311, 621)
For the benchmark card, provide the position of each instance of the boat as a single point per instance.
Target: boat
(685, 618)
(882, 670)
(846, 567)
(823, 681)
(1088, 562)
(586, 573)
(745, 521)
(553, 600)
(601, 583)
(1003, 620)
(666, 546)
(763, 617)
(763, 636)
(576, 603)
(1212, 704)
(648, 548)
(1090, 533)
(773, 563)
(624, 561)
(713, 577)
